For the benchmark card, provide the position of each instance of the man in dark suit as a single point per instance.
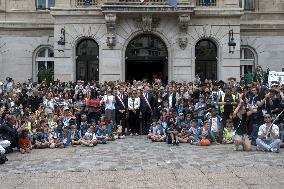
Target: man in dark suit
(121, 108)
(170, 97)
(147, 108)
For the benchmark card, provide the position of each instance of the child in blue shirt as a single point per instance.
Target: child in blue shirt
(102, 134)
(89, 138)
(152, 130)
(159, 135)
(39, 140)
(194, 133)
(84, 125)
(172, 134)
(75, 135)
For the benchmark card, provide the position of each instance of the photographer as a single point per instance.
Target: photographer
(268, 136)
(240, 119)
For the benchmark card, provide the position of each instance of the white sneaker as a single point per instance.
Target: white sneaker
(91, 145)
(131, 134)
(122, 137)
(274, 150)
(136, 134)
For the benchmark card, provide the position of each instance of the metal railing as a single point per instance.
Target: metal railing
(206, 3)
(85, 3)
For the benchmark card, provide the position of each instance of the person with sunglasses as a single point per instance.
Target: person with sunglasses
(268, 136)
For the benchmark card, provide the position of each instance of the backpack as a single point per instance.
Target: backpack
(3, 158)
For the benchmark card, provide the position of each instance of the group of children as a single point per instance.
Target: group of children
(56, 132)
(184, 129)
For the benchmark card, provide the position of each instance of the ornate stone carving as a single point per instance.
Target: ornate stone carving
(110, 25)
(182, 42)
(110, 22)
(147, 23)
(111, 40)
(183, 22)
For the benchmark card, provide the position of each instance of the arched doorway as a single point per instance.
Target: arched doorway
(146, 57)
(87, 62)
(206, 60)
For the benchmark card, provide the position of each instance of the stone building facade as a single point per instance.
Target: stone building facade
(128, 39)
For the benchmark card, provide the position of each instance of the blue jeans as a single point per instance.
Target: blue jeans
(268, 144)
(196, 140)
(254, 132)
(282, 135)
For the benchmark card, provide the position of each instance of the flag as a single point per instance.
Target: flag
(173, 3)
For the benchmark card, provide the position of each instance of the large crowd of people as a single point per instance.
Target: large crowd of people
(65, 114)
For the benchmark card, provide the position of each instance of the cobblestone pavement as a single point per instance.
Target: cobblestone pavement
(136, 162)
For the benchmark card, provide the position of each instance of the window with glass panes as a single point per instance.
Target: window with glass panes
(247, 60)
(44, 61)
(44, 4)
(247, 4)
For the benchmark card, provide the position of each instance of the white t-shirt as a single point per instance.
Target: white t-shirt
(214, 127)
(109, 101)
(263, 130)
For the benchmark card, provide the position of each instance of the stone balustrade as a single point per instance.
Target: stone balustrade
(130, 4)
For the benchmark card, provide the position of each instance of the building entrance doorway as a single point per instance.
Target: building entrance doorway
(146, 58)
(206, 60)
(87, 62)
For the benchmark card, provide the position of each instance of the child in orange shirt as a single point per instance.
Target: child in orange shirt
(24, 142)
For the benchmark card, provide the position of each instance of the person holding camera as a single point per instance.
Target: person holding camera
(240, 119)
(268, 136)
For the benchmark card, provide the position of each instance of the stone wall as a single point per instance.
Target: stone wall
(17, 55)
(181, 62)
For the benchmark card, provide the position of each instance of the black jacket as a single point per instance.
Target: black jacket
(144, 105)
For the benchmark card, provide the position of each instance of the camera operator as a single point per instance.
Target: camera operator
(268, 136)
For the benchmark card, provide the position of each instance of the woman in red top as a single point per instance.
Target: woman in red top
(24, 142)
(93, 106)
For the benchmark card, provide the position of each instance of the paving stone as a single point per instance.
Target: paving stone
(139, 163)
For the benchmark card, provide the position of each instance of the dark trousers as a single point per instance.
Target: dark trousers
(121, 120)
(133, 121)
(94, 116)
(146, 118)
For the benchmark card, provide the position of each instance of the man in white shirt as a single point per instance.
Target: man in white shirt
(268, 136)
(109, 101)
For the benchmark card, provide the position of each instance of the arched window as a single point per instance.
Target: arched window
(44, 64)
(248, 60)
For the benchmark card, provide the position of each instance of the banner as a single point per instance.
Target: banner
(275, 77)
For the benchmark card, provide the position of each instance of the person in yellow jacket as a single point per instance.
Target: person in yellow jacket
(227, 103)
